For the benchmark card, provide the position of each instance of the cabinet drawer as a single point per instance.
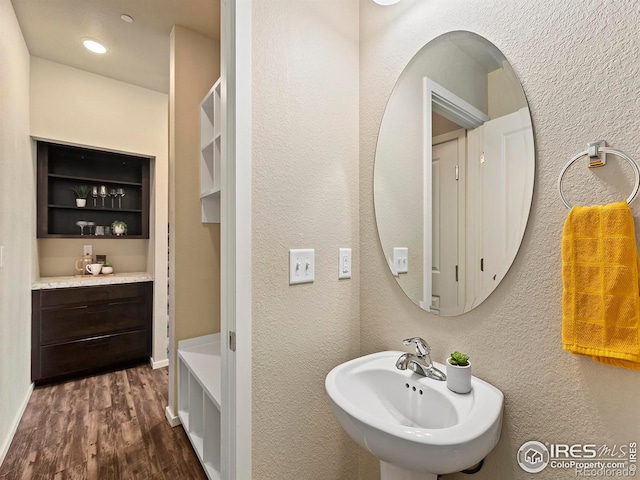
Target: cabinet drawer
(83, 295)
(92, 353)
(73, 323)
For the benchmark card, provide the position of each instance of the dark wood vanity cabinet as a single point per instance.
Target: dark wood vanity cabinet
(76, 331)
(63, 167)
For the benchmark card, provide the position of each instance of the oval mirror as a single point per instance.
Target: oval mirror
(454, 173)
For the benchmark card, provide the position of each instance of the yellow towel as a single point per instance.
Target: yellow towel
(601, 297)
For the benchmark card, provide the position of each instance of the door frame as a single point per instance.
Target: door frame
(235, 236)
(461, 136)
(438, 99)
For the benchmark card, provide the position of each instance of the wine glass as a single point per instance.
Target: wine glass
(120, 192)
(81, 224)
(91, 225)
(103, 193)
(94, 194)
(112, 194)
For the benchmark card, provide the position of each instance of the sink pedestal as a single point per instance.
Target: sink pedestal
(391, 472)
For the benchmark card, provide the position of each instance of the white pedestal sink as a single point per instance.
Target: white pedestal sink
(415, 425)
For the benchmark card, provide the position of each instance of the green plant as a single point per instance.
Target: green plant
(118, 223)
(107, 265)
(81, 191)
(459, 359)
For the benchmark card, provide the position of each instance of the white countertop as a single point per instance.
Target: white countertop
(45, 283)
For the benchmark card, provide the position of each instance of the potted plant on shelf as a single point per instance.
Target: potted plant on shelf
(459, 373)
(119, 228)
(82, 192)
(107, 268)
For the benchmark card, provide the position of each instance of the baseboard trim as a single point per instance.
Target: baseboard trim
(159, 364)
(16, 422)
(173, 420)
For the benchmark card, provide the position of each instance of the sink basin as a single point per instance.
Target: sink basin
(413, 423)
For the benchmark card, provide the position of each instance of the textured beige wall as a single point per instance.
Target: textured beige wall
(196, 246)
(58, 255)
(305, 195)
(17, 227)
(514, 336)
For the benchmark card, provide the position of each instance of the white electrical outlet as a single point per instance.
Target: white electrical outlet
(344, 263)
(1, 257)
(301, 266)
(88, 250)
(401, 259)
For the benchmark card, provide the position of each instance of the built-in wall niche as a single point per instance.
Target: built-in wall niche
(126, 181)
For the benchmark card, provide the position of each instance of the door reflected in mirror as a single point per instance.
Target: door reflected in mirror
(454, 173)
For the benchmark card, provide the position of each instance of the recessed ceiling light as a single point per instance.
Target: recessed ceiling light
(95, 47)
(126, 18)
(386, 2)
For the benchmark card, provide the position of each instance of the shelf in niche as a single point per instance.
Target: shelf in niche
(99, 237)
(96, 209)
(94, 180)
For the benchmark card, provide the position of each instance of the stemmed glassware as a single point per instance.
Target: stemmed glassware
(120, 192)
(112, 194)
(94, 194)
(91, 225)
(81, 224)
(103, 193)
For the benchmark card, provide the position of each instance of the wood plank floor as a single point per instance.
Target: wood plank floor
(105, 427)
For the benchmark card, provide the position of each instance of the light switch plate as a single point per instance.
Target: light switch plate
(401, 259)
(1, 256)
(301, 266)
(344, 263)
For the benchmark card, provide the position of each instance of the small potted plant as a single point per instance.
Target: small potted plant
(459, 373)
(82, 192)
(107, 268)
(119, 228)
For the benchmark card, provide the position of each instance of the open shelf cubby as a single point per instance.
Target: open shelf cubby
(210, 155)
(199, 398)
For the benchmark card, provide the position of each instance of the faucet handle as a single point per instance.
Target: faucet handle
(422, 347)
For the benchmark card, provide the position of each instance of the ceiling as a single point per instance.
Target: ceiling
(138, 52)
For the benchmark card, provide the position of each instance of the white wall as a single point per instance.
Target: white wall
(304, 195)
(74, 106)
(17, 226)
(514, 336)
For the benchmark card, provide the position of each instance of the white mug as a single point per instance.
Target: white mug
(94, 268)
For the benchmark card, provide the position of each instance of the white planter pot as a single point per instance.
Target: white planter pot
(81, 202)
(118, 230)
(458, 378)
(107, 270)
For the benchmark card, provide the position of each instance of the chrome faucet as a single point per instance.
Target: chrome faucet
(421, 361)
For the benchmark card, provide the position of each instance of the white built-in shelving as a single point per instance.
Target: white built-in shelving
(199, 398)
(210, 154)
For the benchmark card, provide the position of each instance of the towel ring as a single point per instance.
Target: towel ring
(587, 153)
